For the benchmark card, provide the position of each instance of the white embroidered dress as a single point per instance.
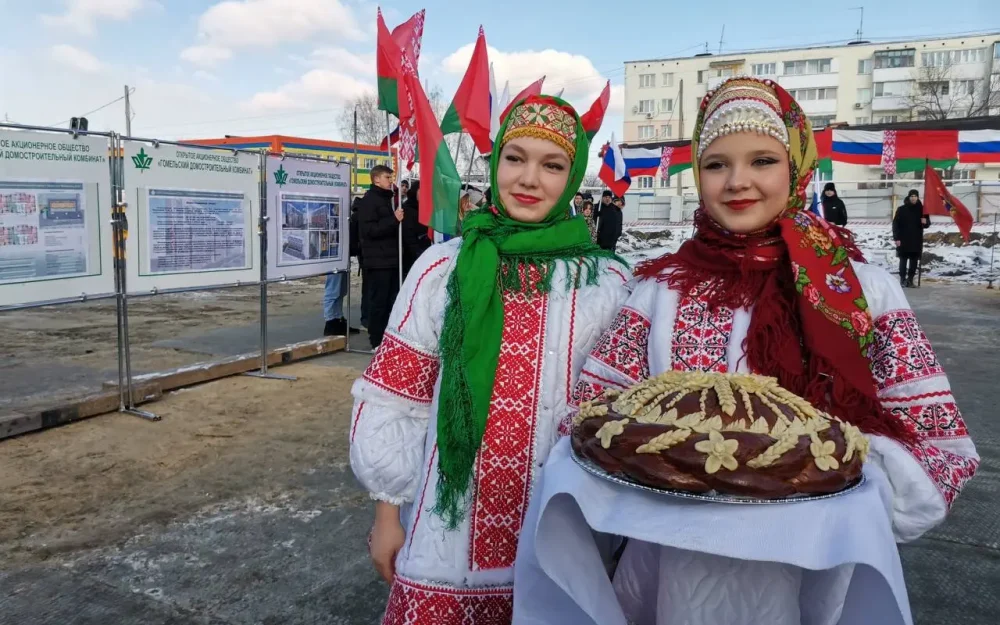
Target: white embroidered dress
(466, 576)
(658, 330)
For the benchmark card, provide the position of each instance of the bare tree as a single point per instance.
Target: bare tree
(371, 121)
(372, 127)
(940, 93)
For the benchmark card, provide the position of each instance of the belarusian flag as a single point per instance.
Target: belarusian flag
(440, 185)
(675, 159)
(470, 110)
(938, 201)
(594, 117)
(824, 150)
(911, 150)
(390, 48)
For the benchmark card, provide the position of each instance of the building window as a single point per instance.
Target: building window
(821, 121)
(945, 58)
(861, 121)
(725, 72)
(888, 59)
(865, 66)
(962, 88)
(812, 66)
(647, 80)
(664, 182)
(934, 88)
(887, 119)
(962, 174)
(666, 105)
(668, 80)
(764, 69)
(370, 162)
(647, 106)
(646, 132)
(644, 182)
(824, 93)
(666, 131)
(896, 88)
(701, 76)
(885, 180)
(996, 50)
(864, 96)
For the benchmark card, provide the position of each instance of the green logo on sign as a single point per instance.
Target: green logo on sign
(280, 176)
(141, 160)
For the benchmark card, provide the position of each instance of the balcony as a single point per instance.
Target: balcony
(806, 81)
(890, 103)
(894, 74)
(818, 107)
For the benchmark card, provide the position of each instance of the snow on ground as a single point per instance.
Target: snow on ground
(946, 256)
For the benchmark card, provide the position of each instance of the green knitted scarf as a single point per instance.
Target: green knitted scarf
(495, 249)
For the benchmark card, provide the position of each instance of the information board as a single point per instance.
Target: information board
(192, 215)
(308, 206)
(55, 214)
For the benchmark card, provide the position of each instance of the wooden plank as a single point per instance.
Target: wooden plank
(47, 417)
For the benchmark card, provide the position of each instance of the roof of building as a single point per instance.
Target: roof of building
(822, 46)
(278, 143)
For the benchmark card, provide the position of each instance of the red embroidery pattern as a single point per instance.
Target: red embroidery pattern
(411, 603)
(569, 350)
(942, 420)
(625, 345)
(423, 493)
(947, 470)
(416, 289)
(357, 417)
(402, 370)
(901, 352)
(505, 463)
(701, 336)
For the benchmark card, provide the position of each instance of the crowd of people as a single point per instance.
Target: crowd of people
(476, 375)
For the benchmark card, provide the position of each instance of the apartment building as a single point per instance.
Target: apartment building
(859, 83)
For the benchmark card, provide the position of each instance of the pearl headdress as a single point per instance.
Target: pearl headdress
(742, 106)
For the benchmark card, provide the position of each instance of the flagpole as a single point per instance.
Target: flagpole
(458, 147)
(399, 230)
(992, 250)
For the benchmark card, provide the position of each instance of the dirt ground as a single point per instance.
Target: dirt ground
(73, 342)
(92, 483)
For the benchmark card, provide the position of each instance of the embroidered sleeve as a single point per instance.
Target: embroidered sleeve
(928, 475)
(393, 397)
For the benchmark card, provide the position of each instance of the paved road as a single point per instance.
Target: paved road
(301, 560)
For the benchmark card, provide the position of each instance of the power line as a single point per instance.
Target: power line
(100, 108)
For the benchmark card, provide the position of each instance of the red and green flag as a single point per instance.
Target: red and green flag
(440, 184)
(390, 48)
(470, 109)
(594, 116)
(912, 150)
(675, 159)
(824, 149)
(939, 201)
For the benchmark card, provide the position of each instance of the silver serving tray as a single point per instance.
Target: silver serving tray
(713, 496)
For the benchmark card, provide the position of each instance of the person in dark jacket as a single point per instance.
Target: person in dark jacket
(415, 239)
(379, 227)
(834, 209)
(908, 226)
(355, 240)
(609, 222)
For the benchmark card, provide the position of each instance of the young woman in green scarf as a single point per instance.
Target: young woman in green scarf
(455, 415)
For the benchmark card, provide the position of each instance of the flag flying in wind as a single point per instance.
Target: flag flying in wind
(824, 150)
(938, 201)
(470, 109)
(641, 161)
(534, 88)
(494, 107)
(392, 139)
(613, 172)
(440, 184)
(675, 159)
(594, 117)
(979, 146)
(404, 39)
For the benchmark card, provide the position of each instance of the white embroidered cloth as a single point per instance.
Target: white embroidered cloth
(560, 576)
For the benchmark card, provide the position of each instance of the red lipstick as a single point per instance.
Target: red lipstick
(526, 200)
(739, 205)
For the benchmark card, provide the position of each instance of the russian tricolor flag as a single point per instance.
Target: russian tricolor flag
(860, 147)
(613, 172)
(979, 146)
(641, 161)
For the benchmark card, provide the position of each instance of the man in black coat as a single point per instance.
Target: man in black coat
(609, 222)
(908, 226)
(415, 235)
(378, 225)
(834, 209)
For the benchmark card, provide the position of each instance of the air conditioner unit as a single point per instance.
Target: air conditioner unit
(635, 109)
(858, 105)
(649, 116)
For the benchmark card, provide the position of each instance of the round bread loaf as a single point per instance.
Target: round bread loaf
(725, 433)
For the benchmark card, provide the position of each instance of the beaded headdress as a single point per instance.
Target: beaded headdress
(742, 105)
(543, 119)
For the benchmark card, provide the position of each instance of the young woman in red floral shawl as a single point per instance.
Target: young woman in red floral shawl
(767, 287)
